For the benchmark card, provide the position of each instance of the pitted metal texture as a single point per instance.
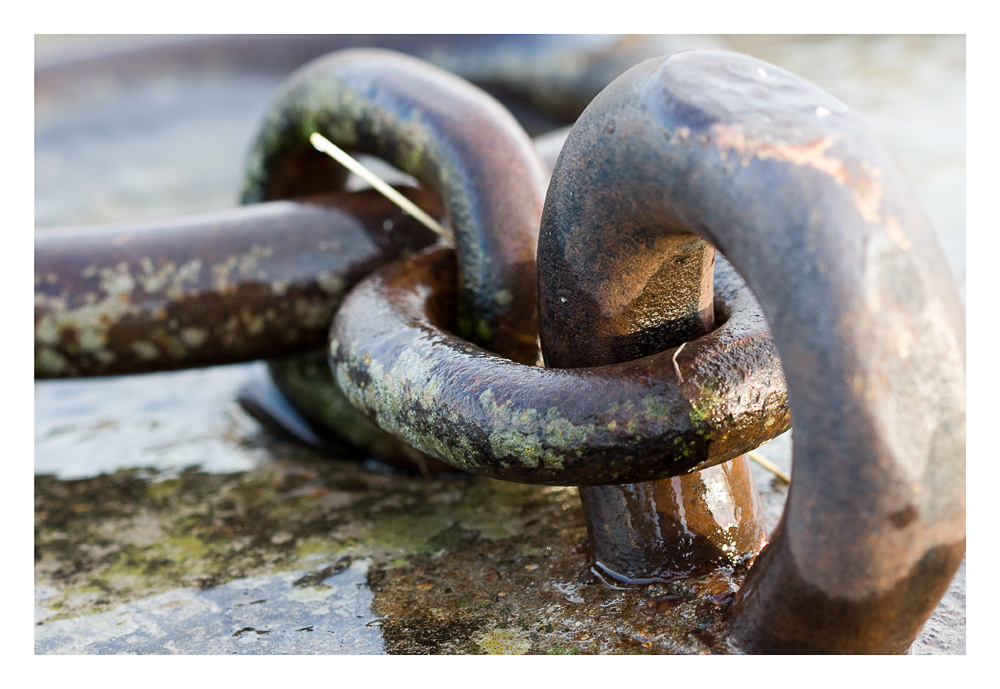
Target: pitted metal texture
(792, 187)
(210, 289)
(453, 137)
(395, 358)
(796, 191)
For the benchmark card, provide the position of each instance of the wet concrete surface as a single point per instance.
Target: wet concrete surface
(167, 521)
(270, 614)
(462, 565)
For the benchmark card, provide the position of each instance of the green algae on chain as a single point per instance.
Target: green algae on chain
(394, 359)
(449, 135)
(307, 382)
(532, 67)
(446, 133)
(308, 386)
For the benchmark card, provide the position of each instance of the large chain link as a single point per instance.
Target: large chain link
(791, 186)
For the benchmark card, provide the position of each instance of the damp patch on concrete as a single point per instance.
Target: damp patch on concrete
(268, 614)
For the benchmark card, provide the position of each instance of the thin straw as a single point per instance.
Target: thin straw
(321, 143)
(769, 465)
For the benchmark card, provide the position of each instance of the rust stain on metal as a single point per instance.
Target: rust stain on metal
(880, 422)
(865, 189)
(395, 358)
(216, 288)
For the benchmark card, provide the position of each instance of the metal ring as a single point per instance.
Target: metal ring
(794, 189)
(664, 415)
(447, 133)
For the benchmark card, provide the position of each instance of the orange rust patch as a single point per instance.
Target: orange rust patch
(867, 194)
(812, 154)
(865, 189)
(896, 233)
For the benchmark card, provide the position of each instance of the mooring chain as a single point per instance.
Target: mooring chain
(511, 419)
(265, 280)
(713, 165)
(680, 154)
(794, 188)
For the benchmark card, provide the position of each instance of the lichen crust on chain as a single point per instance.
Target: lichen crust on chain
(395, 359)
(208, 289)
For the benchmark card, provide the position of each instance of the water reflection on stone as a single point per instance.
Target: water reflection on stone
(265, 614)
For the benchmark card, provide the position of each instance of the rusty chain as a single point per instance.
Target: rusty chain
(792, 188)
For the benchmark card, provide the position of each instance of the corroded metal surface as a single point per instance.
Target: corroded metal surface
(459, 142)
(303, 399)
(229, 307)
(669, 528)
(498, 583)
(307, 383)
(219, 288)
(684, 526)
(394, 357)
(792, 186)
